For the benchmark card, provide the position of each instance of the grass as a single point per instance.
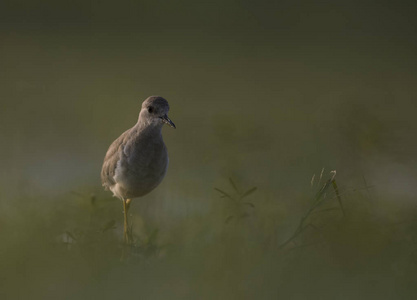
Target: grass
(317, 203)
(238, 205)
(246, 245)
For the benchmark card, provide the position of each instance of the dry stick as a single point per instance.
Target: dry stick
(319, 199)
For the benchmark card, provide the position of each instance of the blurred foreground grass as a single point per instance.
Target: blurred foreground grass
(71, 249)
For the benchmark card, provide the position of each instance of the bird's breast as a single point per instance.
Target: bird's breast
(142, 166)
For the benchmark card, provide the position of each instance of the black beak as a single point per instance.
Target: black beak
(165, 119)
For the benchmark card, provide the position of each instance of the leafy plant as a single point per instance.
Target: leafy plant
(237, 198)
(305, 221)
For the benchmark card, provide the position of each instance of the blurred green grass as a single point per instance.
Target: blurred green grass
(66, 251)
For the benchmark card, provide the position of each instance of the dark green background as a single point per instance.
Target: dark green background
(265, 92)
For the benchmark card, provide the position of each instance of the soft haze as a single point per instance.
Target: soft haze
(267, 93)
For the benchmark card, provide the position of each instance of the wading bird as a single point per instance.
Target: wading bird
(136, 162)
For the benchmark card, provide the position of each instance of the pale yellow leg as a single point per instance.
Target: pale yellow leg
(126, 232)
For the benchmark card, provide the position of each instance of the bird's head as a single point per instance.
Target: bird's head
(154, 112)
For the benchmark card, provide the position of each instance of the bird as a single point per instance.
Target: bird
(137, 161)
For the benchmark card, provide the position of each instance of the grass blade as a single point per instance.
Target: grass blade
(248, 192)
(336, 189)
(224, 193)
(232, 183)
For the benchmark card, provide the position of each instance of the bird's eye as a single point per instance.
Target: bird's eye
(150, 109)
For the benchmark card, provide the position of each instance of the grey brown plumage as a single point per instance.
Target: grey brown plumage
(136, 162)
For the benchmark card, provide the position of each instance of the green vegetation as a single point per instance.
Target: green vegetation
(242, 250)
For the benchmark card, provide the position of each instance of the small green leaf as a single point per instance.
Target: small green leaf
(223, 193)
(232, 183)
(248, 192)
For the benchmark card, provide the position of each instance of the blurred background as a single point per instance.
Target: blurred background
(264, 94)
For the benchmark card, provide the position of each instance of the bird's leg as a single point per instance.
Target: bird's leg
(128, 203)
(126, 234)
(129, 226)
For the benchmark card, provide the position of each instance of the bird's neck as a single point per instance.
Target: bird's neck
(145, 128)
